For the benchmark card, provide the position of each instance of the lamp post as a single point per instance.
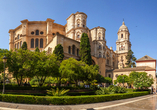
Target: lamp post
(123, 81)
(4, 61)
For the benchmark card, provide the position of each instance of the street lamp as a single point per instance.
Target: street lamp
(4, 61)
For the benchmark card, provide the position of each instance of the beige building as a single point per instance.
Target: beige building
(47, 34)
(144, 64)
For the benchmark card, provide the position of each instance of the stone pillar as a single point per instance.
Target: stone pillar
(11, 42)
(49, 29)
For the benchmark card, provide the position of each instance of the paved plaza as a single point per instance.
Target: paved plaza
(147, 102)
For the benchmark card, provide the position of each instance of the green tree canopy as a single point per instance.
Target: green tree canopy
(130, 59)
(58, 51)
(37, 49)
(78, 70)
(121, 80)
(143, 80)
(108, 80)
(24, 46)
(85, 49)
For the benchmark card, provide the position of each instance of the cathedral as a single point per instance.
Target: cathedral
(47, 34)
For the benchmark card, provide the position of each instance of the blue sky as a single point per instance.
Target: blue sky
(140, 17)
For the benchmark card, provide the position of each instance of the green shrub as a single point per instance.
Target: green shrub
(57, 92)
(67, 100)
(116, 89)
(102, 91)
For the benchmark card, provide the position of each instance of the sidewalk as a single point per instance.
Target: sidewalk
(15, 106)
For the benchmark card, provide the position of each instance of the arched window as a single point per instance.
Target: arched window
(36, 42)
(15, 46)
(109, 75)
(41, 43)
(99, 46)
(84, 23)
(121, 35)
(32, 43)
(77, 52)
(78, 36)
(103, 56)
(69, 49)
(73, 49)
(99, 54)
(78, 25)
(99, 38)
(37, 32)
(18, 45)
(18, 36)
(21, 44)
(113, 64)
(108, 61)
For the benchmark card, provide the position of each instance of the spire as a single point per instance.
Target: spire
(123, 22)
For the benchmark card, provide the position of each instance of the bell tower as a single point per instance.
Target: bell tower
(123, 45)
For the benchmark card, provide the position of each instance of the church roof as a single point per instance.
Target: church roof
(123, 27)
(145, 58)
(139, 68)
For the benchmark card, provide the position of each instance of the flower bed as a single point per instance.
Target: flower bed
(67, 100)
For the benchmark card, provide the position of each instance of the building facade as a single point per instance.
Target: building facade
(47, 34)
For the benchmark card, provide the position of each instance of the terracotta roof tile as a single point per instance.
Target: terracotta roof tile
(139, 68)
(145, 58)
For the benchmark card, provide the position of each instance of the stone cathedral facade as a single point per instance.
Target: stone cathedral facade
(47, 34)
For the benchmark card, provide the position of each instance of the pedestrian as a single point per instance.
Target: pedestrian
(154, 91)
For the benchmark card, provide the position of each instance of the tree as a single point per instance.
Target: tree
(85, 49)
(78, 70)
(58, 51)
(16, 64)
(122, 79)
(3, 53)
(108, 80)
(37, 49)
(132, 76)
(143, 81)
(42, 66)
(24, 46)
(130, 59)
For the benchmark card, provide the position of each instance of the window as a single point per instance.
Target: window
(41, 32)
(77, 52)
(103, 56)
(78, 36)
(32, 33)
(78, 25)
(36, 42)
(108, 61)
(18, 45)
(99, 54)
(18, 36)
(69, 49)
(41, 43)
(37, 32)
(99, 46)
(99, 38)
(15, 46)
(32, 43)
(113, 64)
(116, 75)
(121, 35)
(109, 75)
(73, 49)
(83, 25)
(53, 33)
(21, 44)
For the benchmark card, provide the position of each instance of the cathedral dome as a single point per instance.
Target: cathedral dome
(123, 27)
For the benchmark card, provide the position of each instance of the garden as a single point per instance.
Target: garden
(42, 78)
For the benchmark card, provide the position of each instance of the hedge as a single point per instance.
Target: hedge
(16, 87)
(67, 100)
